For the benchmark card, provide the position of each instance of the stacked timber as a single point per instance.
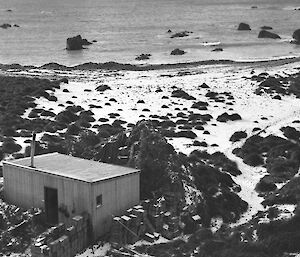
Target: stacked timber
(144, 221)
(60, 241)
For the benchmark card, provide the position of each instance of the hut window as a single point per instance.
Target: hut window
(99, 200)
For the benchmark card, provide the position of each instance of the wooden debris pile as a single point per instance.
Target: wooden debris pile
(60, 241)
(17, 226)
(146, 221)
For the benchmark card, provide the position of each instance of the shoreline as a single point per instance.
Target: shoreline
(147, 67)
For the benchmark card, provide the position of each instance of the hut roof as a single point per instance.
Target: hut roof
(73, 167)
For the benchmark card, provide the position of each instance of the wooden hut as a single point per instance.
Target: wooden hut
(65, 186)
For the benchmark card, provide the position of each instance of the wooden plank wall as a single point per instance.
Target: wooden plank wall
(25, 187)
(118, 195)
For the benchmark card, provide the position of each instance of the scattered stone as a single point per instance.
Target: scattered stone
(143, 57)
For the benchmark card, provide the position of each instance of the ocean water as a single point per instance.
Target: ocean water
(126, 28)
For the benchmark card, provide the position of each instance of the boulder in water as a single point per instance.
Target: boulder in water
(296, 36)
(77, 43)
(266, 27)
(244, 26)
(217, 50)
(267, 34)
(181, 34)
(5, 26)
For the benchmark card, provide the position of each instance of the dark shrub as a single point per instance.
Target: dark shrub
(237, 136)
(253, 160)
(9, 146)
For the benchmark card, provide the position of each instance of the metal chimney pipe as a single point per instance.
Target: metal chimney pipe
(32, 150)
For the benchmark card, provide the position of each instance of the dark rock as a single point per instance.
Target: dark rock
(5, 26)
(169, 31)
(268, 34)
(296, 36)
(143, 57)
(181, 34)
(177, 51)
(266, 27)
(277, 97)
(112, 100)
(217, 50)
(244, 26)
(204, 85)
(76, 43)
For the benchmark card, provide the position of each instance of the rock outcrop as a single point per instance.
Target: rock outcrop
(77, 43)
(267, 34)
(244, 26)
(296, 36)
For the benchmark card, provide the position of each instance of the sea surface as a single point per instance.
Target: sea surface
(126, 28)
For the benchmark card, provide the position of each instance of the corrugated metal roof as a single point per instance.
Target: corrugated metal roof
(73, 167)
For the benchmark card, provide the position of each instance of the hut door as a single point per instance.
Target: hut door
(51, 205)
